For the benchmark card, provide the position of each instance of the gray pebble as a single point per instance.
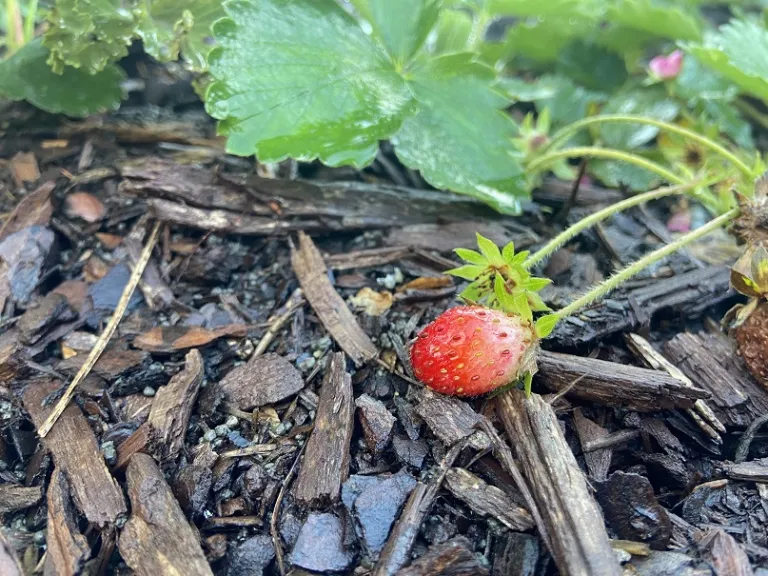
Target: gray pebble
(221, 430)
(148, 391)
(231, 422)
(210, 436)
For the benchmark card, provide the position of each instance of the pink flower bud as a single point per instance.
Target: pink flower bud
(666, 67)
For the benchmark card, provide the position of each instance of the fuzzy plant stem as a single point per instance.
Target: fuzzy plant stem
(563, 135)
(619, 278)
(550, 247)
(29, 21)
(594, 152)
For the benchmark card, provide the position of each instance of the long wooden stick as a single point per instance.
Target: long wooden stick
(103, 340)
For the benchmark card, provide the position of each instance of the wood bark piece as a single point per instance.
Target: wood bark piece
(262, 380)
(572, 524)
(448, 418)
(687, 295)
(613, 384)
(172, 407)
(68, 549)
(9, 563)
(376, 421)
(486, 500)
(710, 361)
(14, 497)
(76, 452)
(452, 558)
(326, 459)
(35, 209)
(328, 305)
(598, 461)
(157, 539)
(723, 553)
(397, 551)
(754, 470)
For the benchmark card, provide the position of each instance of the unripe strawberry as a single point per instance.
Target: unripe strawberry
(471, 350)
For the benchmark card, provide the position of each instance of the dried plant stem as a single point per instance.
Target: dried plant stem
(619, 278)
(596, 152)
(550, 247)
(103, 340)
(563, 135)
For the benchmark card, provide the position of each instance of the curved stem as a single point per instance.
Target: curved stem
(620, 277)
(595, 152)
(562, 135)
(589, 221)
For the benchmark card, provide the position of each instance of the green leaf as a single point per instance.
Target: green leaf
(506, 301)
(648, 102)
(471, 256)
(170, 27)
(527, 383)
(453, 30)
(592, 66)
(489, 249)
(536, 284)
(727, 118)
(697, 82)
(519, 258)
(666, 21)
(401, 25)
(468, 272)
(570, 101)
(27, 76)
(615, 174)
(88, 34)
(521, 91)
(521, 305)
(544, 8)
(460, 138)
(739, 52)
(537, 303)
(546, 324)
(508, 252)
(301, 79)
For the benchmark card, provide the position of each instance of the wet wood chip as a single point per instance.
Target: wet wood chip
(157, 539)
(84, 206)
(753, 471)
(75, 451)
(452, 558)
(262, 380)
(376, 421)
(328, 305)
(572, 522)
(166, 339)
(598, 461)
(68, 548)
(325, 465)
(24, 168)
(9, 563)
(448, 418)
(14, 497)
(723, 553)
(613, 384)
(35, 209)
(486, 500)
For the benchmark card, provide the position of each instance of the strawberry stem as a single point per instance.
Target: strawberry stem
(550, 247)
(542, 162)
(562, 136)
(619, 278)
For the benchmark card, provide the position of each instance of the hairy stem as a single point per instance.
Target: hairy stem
(550, 247)
(564, 134)
(594, 152)
(29, 21)
(619, 278)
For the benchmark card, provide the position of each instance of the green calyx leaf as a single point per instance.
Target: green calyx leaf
(471, 256)
(468, 272)
(489, 250)
(301, 79)
(546, 324)
(27, 76)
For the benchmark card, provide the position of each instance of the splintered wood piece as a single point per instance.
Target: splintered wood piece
(598, 461)
(35, 209)
(452, 558)
(710, 361)
(157, 539)
(448, 418)
(571, 521)
(172, 407)
(723, 553)
(262, 380)
(67, 548)
(397, 551)
(486, 500)
(14, 497)
(613, 384)
(328, 305)
(752, 471)
(76, 452)
(325, 465)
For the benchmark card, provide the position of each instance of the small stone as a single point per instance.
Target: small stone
(221, 430)
(110, 454)
(252, 556)
(210, 436)
(306, 362)
(149, 391)
(321, 546)
(231, 422)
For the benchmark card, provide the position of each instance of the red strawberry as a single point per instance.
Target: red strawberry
(471, 350)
